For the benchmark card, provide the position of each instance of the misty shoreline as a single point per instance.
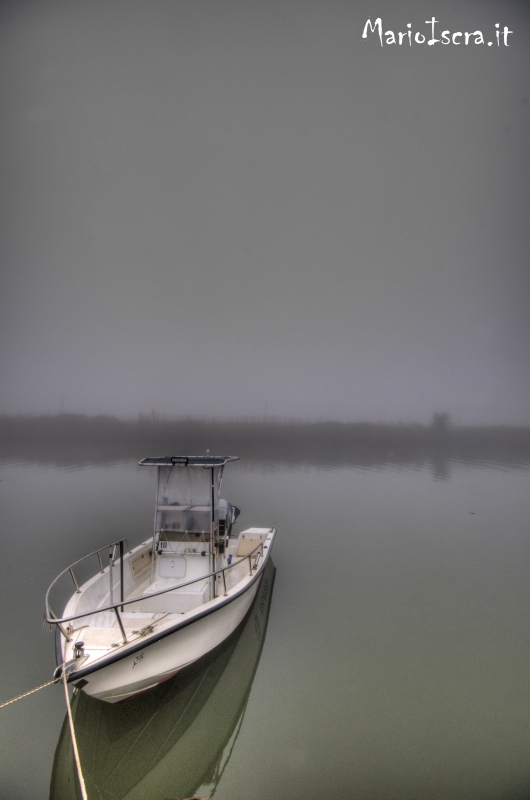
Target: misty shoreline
(78, 438)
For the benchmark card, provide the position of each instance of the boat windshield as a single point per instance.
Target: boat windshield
(187, 499)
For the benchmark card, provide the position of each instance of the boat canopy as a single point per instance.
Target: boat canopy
(187, 492)
(187, 461)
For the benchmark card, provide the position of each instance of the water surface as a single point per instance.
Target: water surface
(396, 657)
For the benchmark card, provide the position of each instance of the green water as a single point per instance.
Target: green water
(396, 660)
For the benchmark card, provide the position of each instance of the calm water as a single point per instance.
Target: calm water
(396, 660)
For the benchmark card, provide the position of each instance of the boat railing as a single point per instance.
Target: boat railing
(53, 619)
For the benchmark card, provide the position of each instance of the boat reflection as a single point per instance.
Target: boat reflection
(173, 739)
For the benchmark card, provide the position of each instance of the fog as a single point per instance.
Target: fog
(237, 208)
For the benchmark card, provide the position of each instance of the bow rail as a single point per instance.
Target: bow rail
(52, 619)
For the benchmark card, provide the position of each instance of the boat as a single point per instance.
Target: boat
(150, 611)
(176, 739)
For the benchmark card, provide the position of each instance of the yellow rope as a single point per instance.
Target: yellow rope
(74, 742)
(76, 753)
(36, 689)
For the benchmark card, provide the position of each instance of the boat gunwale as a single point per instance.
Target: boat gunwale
(118, 604)
(118, 655)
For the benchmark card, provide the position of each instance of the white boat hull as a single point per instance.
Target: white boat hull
(158, 748)
(159, 660)
(155, 609)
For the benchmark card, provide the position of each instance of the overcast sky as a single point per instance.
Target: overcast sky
(241, 207)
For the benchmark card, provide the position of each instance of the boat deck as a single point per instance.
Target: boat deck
(102, 632)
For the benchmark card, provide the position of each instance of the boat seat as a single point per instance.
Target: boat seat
(178, 601)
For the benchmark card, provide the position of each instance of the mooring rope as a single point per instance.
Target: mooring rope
(31, 691)
(74, 741)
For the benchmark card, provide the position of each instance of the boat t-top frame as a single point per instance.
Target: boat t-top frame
(187, 504)
(187, 498)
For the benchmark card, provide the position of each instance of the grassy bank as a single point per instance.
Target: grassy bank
(101, 438)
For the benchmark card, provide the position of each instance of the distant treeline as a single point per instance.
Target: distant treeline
(76, 438)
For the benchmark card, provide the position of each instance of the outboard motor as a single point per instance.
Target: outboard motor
(227, 516)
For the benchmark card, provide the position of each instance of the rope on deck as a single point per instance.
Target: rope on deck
(74, 741)
(31, 691)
